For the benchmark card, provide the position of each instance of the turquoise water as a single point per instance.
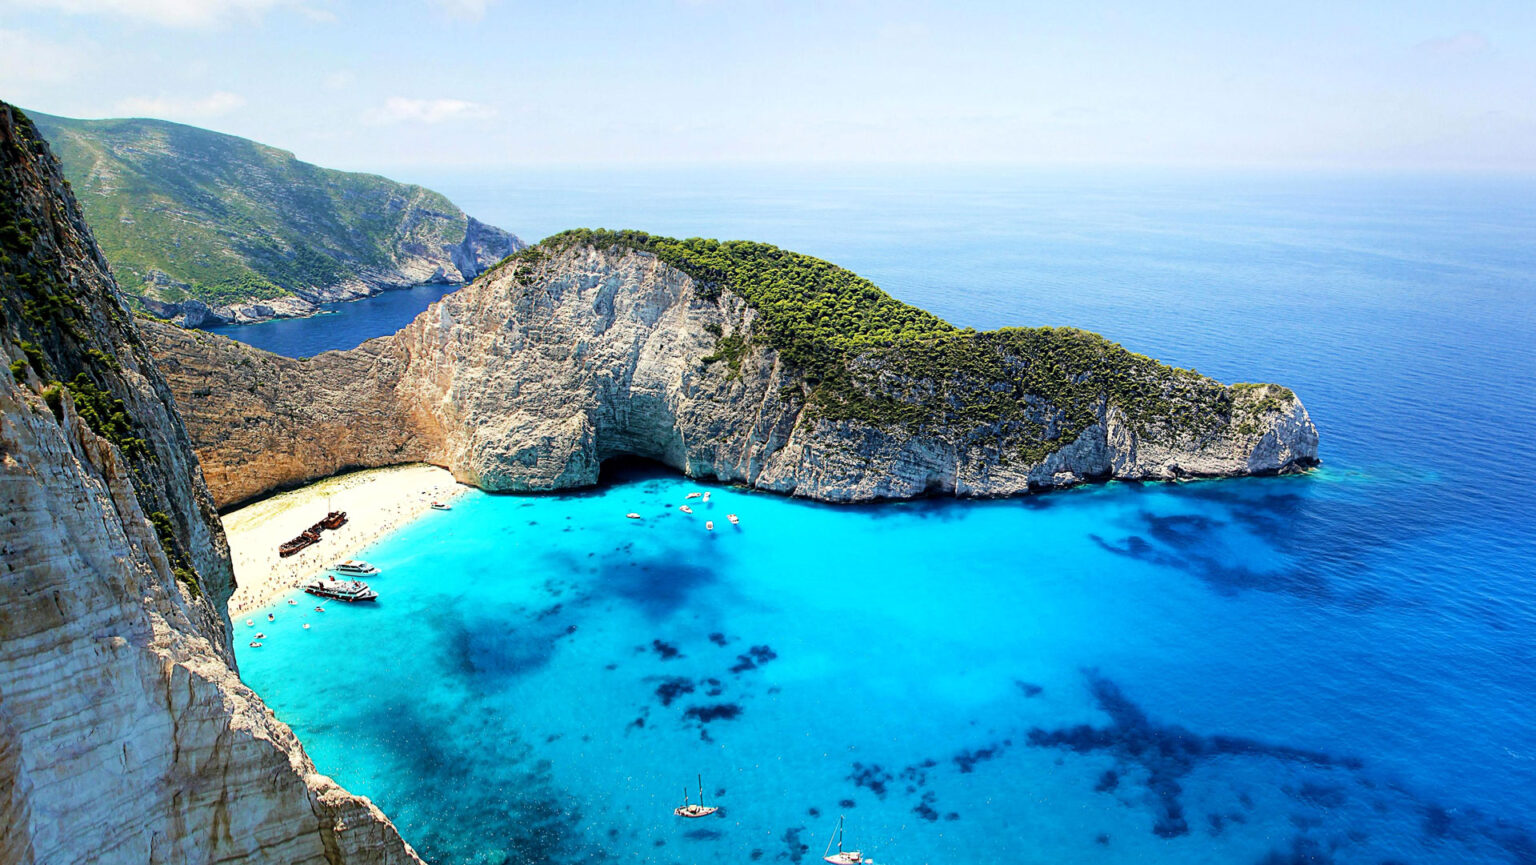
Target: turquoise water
(1333, 668)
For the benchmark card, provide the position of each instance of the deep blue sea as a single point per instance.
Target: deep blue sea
(340, 326)
(1339, 667)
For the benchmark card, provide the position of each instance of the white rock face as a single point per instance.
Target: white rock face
(531, 387)
(529, 381)
(125, 734)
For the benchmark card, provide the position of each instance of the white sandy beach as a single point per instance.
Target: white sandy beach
(377, 502)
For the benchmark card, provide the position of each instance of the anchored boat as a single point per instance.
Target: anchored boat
(842, 857)
(341, 590)
(439, 506)
(691, 811)
(355, 568)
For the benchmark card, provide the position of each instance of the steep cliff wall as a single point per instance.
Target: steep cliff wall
(582, 349)
(125, 734)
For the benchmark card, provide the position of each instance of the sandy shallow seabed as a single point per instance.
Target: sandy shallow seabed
(377, 502)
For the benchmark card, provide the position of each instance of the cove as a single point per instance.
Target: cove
(339, 326)
(1151, 673)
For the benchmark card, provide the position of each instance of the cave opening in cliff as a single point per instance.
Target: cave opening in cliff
(628, 469)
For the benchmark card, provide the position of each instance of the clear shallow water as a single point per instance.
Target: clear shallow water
(341, 326)
(1340, 667)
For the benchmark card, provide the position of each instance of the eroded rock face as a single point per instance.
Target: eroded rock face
(125, 733)
(529, 380)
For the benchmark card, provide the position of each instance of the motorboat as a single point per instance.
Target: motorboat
(440, 506)
(355, 568)
(341, 590)
(685, 509)
(735, 520)
(709, 525)
(633, 516)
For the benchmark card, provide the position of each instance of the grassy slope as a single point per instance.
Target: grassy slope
(235, 219)
(871, 358)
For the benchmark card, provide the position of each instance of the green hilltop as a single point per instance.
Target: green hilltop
(185, 213)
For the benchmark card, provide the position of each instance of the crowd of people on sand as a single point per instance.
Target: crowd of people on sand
(378, 502)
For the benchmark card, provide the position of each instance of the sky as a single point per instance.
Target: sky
(476, 84)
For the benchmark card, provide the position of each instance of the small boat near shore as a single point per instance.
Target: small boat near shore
(439, 506)
(709, 525)
(706, 498)
(692, 811)
(735, 520)
(632, 516)
(685, 509)
(355, 568)
(341, 590)
(693, 495)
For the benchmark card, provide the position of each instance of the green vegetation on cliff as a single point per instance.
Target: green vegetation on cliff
(184, 213)
(61, 329)
(868, 357)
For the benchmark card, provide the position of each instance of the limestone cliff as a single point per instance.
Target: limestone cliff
(587, 348)
(125, 733)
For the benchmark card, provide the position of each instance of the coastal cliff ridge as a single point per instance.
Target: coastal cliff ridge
(733, 361)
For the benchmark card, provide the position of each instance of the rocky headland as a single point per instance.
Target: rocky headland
(206, 228)
(733, 361)
(125, 733)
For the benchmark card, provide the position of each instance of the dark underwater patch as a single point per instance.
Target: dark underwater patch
(1028, 689)
(794, 848)
(667, 651)
(712, 713)
(966, 760)
(672, 688)
(753, 658)
(871, 777)
(703, 835)
(1166, 752)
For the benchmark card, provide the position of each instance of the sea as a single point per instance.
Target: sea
(1336, 667)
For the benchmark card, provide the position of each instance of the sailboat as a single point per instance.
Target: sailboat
(842, 857)
(691, 811)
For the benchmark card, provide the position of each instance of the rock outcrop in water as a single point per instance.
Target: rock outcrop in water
(702, 356)
(125, 733)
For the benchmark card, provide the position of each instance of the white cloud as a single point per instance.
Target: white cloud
(171, 13)
(472, 10)
(212, 105)
(1464, 43)
(399, 109)
(28, 58)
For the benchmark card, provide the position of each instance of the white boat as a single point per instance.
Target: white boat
(706, 498)
(439, 506)
(709, 525)
(355, 568)
(691, 811)
(633, 516)
(341, 590)
(735, 520)
(692, 495)
(842, 857)
(685, 509)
